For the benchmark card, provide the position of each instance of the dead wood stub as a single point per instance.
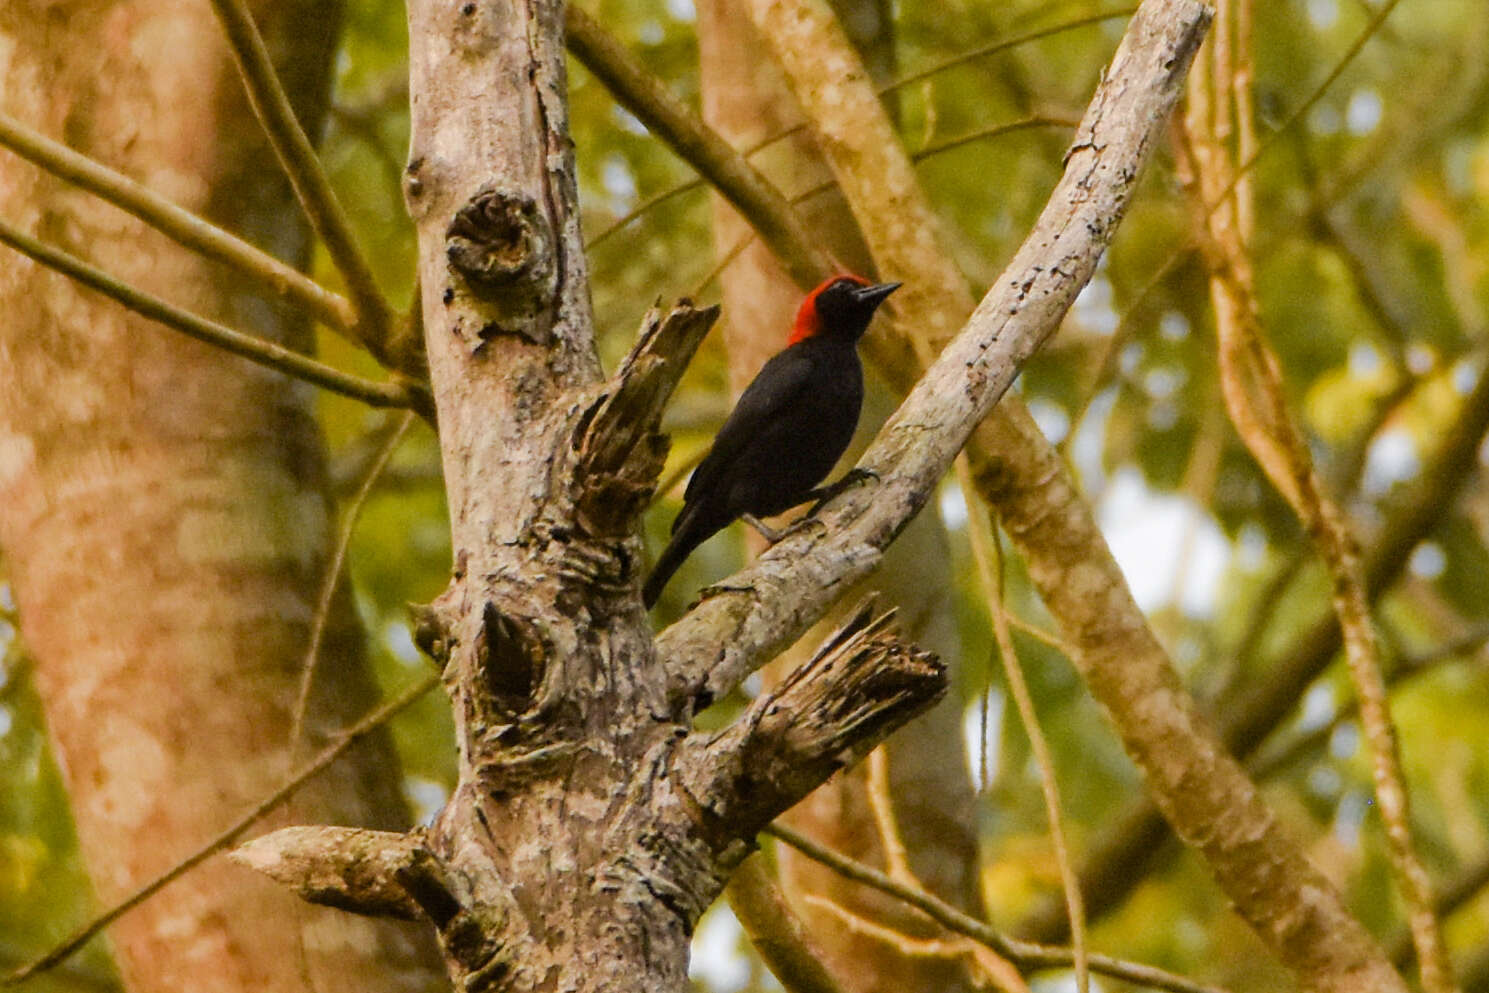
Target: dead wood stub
(863, 684)
(621, 451)
(502, 244)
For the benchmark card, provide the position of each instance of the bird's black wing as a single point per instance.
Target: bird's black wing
(778, 382)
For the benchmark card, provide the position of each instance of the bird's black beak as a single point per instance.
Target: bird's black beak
(874, 295)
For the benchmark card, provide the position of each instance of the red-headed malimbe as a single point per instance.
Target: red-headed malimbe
(790, 427)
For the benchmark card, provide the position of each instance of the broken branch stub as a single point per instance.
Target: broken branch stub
(621, 451)
(862, 684)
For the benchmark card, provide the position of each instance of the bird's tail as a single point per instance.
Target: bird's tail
(686, 536)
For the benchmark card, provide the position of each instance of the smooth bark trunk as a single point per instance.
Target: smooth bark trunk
(164, 508)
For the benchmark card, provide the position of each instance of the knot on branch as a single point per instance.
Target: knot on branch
(502, 244)
(620, 451)
(862, 684)
(499, 239)
(431, 633)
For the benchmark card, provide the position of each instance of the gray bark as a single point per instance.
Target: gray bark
(592, 825)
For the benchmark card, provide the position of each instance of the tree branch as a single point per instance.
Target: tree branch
(257, 350)
(1026, 955)
(180, 225)
(621, 452)
(351, 869)
(1291, 905)
(1248, 712)
(697, 143)
(376, 324)
(1251, 381)
(776, 932)
(692, 129)
(828, 713)
(389, 436)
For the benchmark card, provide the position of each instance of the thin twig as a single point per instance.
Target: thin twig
(729, 172)
(997, 130)
(329, 755)
(1005, 44)
(296, 155)
(987, 968)
(815, 191)
(1287, 753)
(393, 431)
(987, 551)
(1027, 955)
(1466, 885)
(178, 224)
(265, 353)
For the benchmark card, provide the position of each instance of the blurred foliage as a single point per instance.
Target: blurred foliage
(1372, 254)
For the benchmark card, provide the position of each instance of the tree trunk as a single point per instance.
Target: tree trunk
(164, 508)
(592, 823)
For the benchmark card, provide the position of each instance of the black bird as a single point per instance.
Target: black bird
(790, 427)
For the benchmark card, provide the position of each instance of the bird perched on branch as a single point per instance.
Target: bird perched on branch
(790, 427)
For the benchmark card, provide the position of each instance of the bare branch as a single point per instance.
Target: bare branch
(697, 143)
(1251, 381)
(376, 324)
(681, 140)
(1301, 111)
(621, 452)
(392, 436)
(265, 353)
(351, 869)
(1026, 955)
(987, 968)
(1288, 753)
(826, 715)
(775, 930)
(179, 224)
(1249, 712)
(1466, 884)
(987, 551)
(1292, 906)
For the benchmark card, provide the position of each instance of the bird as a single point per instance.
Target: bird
(789, 428)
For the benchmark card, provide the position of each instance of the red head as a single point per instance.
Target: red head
(842, 305)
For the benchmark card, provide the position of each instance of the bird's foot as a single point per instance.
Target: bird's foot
(851, 478)
(774, 535)
(767, 532)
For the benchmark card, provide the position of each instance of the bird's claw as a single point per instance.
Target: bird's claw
(851, 478)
